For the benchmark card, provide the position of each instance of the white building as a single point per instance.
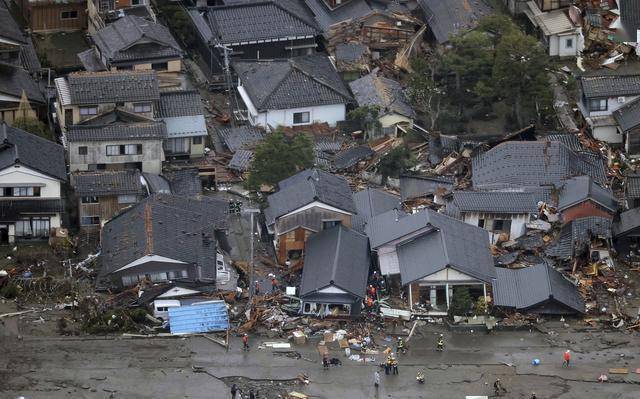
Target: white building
(560, 35)
(292, 92)
(32, 170)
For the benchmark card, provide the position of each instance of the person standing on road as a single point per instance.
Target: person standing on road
(274, 284)
(395, 366)
(234, 389)
(245, 342)
(376, 379)
(566, 359)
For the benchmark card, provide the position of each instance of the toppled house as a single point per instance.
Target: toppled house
(372, 202)
(183, 114)
(414, 188)
(163, 238)
(582, 237)
(134, 43)
(102, 12)
(600, 97)
(445, 19)
(352, 157)
(292, 92)
(306, 203)
(581, 196)
(388, 97)
(537, 289)
(352, 60)
(32, 174)
(627, 118)
(431, 254)
(626, 232)
(327, 13)
(631, 186)
(20, 95)
(240, 137)
(45, 16)
(336, 269)
(102, 195)
(559, 34)
(252, 31)
(504, 214)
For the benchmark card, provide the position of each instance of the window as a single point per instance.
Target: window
(568, 43)
(71, 14)
(137, 2)
(327, 224)
(113, 150)
(160, 66)
(307, 307)
(85, 111)
(481, 223)
(33, 227)
(598, 104)
(89, 200)
(124, 149)
(129, 280)
(197, 140)
(142, 107)
(89, 220)
(127, 199)
(82, 150)
(26, 191)
(177, 146)
(301, 117)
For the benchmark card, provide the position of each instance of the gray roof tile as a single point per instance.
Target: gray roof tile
(351, 156)
(447, 18)
(120, 132)
(292, 83)
(326, 17)
(568, 139)
(632, 186)
(185, 182)
(241, 137)
(337, 256)
(388, 95)
(419, 186)
(582, 188)
(14, 80)
(527, 288)
(628, 117)
(371, 202)
(495, 201)
(610, 85)
(107, 183)
(241, 160)
(627, 222)
(178, 103)
(350, 52)
(132, 38)
(576, 234)
(112, 86)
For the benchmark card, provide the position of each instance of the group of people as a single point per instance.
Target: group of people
(235, 391)
(391, 365)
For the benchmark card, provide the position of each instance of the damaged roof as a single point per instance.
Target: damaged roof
(241, 160)
(117, 132)
(576, 234)
(350, 52)
(386, 94)
(185, 182)
(337, 256)
(14, 80)
(18, 147)
(447, 18)
(249, 22)
(165, 225)
(351, 156)
(307, 187)
(531, 288)
(628, 116)
(371, 202)
(495, 201)
(326, 17)
(533, 163)
(107, 182)
(581, 188)
(626, 222)
(107, 87)
(239, 137)
(132, 38)
(610, 85)
(292, 83)
(419, 186)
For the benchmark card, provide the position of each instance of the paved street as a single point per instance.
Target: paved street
(163, 368)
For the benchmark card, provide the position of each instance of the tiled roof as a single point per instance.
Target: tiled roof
(30, 150)
(326, 17)
(241, 160)
(337, 256)
(253, 21)
(626, 223)
(628, 117)
(91, 61)
(388, 95)
(240, 137)
(533, 286)
(575, 235)
(178, 103)
(109, 87)
(12, 210)
(156, 184)
(447, 18)
(632, 186)
(371, 202)
(168, 226)
(185, 182)
(10, 29)
(582, 188)
(292, 83)
(14, 79)
(351, 156)
(532, 163)
(630, 18)
(306, 187)
(350, 52)
(132, 38)
(107, 183)
(419, 186)
(568, 139)
(610, 85)
(120, 132)
(495, 201)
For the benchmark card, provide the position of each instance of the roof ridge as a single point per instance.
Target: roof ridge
(276, 87)
(548, 279)
(295, 65)
(293, 14)
(335, 258)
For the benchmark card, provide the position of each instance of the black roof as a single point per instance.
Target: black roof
(14, 80)
(447, 18)
(576, 234)
(306, 187)
(630, 18)
(351, 156)
(107, 183)
(610, 85)
(108, 87)
(18, 147)
(628, 117)
(418, 186)
(132, 38)
(117, 131)
(337, 256)
(348, 10)
(13, 209)
(164, 225)
(240, 137)
(178, 103)
(527, 288)
(185, 182)
(257, 20)
(371, 202)
(495, 201)
(626, 222)
(292, 83)
(10, 29)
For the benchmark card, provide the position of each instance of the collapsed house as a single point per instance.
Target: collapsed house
(445, 19)
(581, 196)
(372, 202)
(336, 269)
(583, 238)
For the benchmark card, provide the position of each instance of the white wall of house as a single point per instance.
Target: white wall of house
(609, 134)
(566, 45)
(518, 223)
(151, 157)
(613, 103)
(393, 119)
(22, 176)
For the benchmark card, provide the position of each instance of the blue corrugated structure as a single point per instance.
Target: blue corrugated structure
(199, 318)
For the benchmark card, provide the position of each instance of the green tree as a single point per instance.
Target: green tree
(396, 162)
(520, 76)
(279, 157)
(497, 25)
(425, 91)
(33, 125)
(460, 302)
(367, 118)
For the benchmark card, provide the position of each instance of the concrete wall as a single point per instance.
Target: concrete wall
(151, 157)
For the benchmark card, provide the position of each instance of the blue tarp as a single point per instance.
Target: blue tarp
(199, 318)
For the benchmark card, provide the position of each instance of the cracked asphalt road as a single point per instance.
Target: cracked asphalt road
(55, 367)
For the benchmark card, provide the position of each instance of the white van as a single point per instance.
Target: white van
(161, 308)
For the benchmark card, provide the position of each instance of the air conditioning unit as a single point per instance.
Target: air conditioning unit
(621, 100)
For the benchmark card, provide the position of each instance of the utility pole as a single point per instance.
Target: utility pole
(251, 211)
(229, 82)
